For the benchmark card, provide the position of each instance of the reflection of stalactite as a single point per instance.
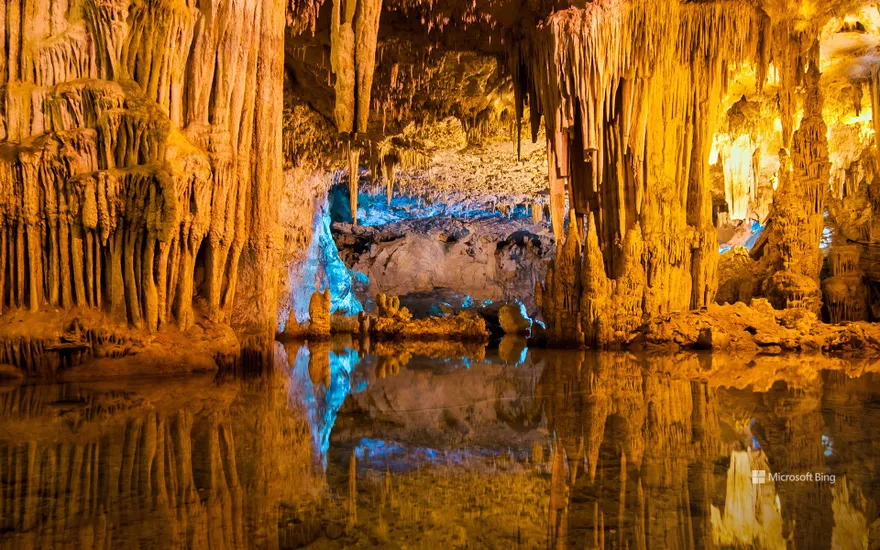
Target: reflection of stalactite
(352, 493)
(155, 470)
(641, 436)
(750, 514)
(108, 471)
(850, 525)
(558, 499)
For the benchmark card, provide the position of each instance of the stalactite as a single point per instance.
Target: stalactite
(846, 295)
(601, 76)
(557, 196)
(343, 51)
(352, 493)
(354, 32)
(875, 103)
(354, 155)
(389, 163)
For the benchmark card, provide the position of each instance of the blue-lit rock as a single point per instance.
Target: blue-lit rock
(514, 319)
(488, 258)
(322, 269)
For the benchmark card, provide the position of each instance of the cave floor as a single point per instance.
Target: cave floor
(361, 446)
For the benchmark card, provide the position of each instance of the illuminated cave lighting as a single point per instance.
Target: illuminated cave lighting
(393, 455)
(375, 448)
(322, 269)
(398, 456)
(373, 208)
(828, 445)
(750, 517)
(757, 229)
(739, 180)
(827, 236)
(523, 355)
(322, 403)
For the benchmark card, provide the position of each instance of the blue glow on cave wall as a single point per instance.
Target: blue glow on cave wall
(757, 229)
(373, 208)
(323, 269)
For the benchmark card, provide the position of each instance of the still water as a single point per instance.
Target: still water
(350, 445)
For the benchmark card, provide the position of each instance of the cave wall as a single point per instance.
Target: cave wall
(136, 138)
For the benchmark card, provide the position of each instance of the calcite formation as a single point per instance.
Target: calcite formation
(139, 147)
(580, 303)
(158, 160)
(797, 218)
(390, 321)
(846, 295)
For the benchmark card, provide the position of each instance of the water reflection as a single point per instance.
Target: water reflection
(358, 444)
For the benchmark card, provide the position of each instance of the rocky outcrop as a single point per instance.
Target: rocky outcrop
(513, 319)
(757, 327)
(486, 259)
(390, 321)
(85, 345)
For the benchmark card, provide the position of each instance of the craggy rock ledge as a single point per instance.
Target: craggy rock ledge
(756, 328)
(82, 343)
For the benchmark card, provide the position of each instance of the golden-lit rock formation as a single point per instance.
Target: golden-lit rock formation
(161, 163)
(138, 149)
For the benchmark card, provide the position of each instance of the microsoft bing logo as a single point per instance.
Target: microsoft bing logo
(759, 477)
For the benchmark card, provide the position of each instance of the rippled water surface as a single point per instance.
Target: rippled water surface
(450, 446)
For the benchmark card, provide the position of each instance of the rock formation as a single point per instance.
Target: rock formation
(160, 163)
(138, 150)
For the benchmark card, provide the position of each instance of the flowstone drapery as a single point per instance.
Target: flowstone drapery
(140, 145)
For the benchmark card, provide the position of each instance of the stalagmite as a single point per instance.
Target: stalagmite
(798, 210)
(580, 303)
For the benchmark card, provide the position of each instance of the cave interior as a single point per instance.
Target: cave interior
(266, 265)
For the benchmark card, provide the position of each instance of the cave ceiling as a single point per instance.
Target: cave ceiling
(459, 58)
